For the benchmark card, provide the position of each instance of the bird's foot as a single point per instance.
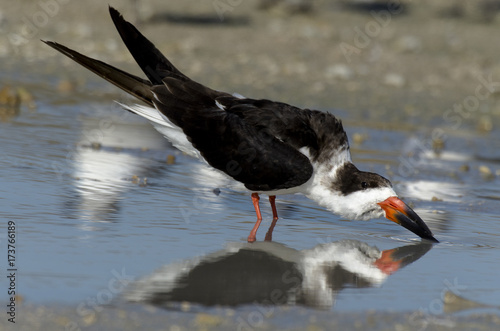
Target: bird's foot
(251, 239)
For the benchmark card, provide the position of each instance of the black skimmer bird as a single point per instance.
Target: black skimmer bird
(271, 147)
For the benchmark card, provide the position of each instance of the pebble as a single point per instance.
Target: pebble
(66, 86)
(96, 145)
(89, 319)
(485, 124)
(9, 97)
(170, 159)
(486, 172)
(339, 71)
(437, 145)
(394, 80)
(359, 138)
(137, 180)
(185, 306)
(464, 167)
(206, 320)
(409, 44)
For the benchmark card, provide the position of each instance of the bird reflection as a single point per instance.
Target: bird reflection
(103, 167)
(274, 274)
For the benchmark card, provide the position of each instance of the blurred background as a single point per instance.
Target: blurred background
(414, 60)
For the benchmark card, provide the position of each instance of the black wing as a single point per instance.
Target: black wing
(322, 133)
(249, 153)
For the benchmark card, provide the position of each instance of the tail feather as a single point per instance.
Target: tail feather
(154, 64)
(134, 85)
(181, 92)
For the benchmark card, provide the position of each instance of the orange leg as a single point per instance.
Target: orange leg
(269, 234)
(253, 233)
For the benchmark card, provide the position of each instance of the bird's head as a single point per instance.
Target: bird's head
(363, 195)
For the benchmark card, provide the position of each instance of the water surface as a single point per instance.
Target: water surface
(94, 200)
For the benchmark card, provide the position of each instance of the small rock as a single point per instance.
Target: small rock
(359, 138)
(438, 145)
(170, 159)
(464, 167)
(485, 124)
(394, 80)
(66, 86)
(207, 320)
(27, 98)
(339, 71)
(486, 172)
(10, 97)
(185, 306)
(96, 145)
(89, 319)
(434, 199)
(409, 44)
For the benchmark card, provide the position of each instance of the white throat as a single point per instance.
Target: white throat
(359, 205)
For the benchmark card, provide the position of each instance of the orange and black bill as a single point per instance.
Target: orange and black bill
(399, 212)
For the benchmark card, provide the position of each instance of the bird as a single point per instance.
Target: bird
(270, 147)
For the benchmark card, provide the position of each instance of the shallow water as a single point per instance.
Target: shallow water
(94, 201)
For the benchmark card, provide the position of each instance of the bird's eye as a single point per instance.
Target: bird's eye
(364, 185)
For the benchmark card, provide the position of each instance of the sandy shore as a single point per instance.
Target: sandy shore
(133, 317)
(413, 62)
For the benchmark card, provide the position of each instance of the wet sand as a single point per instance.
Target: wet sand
(131, 317)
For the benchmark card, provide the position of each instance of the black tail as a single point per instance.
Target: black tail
(154, 64)
(134, 85)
